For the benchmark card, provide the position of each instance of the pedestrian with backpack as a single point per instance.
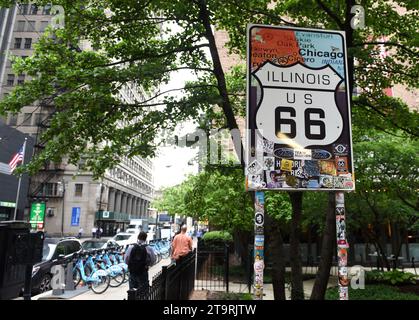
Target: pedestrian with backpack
(139, 257)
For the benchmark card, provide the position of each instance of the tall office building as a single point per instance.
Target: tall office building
(73, 198)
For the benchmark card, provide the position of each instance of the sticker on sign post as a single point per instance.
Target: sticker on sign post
(259, 218)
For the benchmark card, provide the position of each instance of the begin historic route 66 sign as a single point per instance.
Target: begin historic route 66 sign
(298, 112)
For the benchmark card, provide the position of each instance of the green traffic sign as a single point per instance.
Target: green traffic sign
(37, 213)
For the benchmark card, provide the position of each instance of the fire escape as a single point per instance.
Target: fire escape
(38, 190)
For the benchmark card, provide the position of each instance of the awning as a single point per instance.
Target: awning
(112, 216)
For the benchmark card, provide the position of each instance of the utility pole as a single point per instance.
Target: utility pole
(20, 180)
(62, 211)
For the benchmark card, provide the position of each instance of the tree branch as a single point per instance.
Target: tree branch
(179, 89)
(331, 14)
(400, 195)
(391, 44)
(204, 15)
(165, 54)
(382, 114)
(238, 3)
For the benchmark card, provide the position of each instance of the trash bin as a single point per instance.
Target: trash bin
(19, 248)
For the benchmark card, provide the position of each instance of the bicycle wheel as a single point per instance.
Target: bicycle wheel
(76, 277)
(87, 271)
(100, 284)
(126, 276)
(117, 279)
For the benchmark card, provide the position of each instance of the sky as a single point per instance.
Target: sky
(173, 164)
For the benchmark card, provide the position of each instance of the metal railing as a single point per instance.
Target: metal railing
(213, 268)
(173, 282)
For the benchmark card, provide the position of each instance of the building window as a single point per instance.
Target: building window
(38, 118)
(28, 43)
(20, 26)
(23, 8)
(21, 79)
(34, 9)
(46, 10)
(30, 27)
(44, 25)
(12, 119)
(27, 119)
(79, 190)
(18, 43)
(10, 79)
(50, 189)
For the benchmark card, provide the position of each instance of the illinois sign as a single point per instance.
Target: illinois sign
(298, 111)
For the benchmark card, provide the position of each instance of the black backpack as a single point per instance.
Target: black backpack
(137, 262)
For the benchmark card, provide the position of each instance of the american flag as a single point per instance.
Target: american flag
(16, 160)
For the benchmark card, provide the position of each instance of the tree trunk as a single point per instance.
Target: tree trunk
(242, 240)
(326, 257)
(381, 255)
(297, 288)
(382, 245)
(275, 249)
(204, 15)
(309, 245)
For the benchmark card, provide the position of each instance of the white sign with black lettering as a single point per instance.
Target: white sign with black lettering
(298, 105)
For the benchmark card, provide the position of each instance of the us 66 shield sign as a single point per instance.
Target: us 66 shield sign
(298, 102)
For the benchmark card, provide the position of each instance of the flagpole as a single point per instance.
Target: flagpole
(20, 179)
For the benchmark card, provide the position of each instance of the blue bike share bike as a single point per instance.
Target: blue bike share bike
(97, 280)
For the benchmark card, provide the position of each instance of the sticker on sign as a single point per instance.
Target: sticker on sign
(302, 154)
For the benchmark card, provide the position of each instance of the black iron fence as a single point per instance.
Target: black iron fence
(179, 278)
(173, 282)
(212, 267)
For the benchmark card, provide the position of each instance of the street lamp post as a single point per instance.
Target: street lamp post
(100, 204)
(157, 225)
(62, 191)
(102, 188)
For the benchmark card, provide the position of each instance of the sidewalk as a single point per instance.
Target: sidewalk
(268, 293)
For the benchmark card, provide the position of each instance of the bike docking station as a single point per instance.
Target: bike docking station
(62, 282)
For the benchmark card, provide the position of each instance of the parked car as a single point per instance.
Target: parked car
(52, 250)
(99, 244)
(124, 238)
(137, 225)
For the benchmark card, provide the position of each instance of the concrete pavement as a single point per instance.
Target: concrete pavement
(268, 293)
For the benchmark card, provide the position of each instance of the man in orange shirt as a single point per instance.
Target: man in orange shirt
(181, 245)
